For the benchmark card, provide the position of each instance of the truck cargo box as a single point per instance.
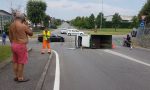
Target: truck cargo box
(101, 41)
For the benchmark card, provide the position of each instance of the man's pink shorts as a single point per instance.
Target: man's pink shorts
(20, 53)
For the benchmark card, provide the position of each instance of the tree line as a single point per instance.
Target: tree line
(36, 14)
(92, 22)
(99, 21)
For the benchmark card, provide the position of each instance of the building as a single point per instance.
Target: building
(5, 17)
(123, 17)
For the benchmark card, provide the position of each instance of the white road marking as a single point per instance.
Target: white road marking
(42, 78)
(127, 57)
(57, 73)
(71, 48)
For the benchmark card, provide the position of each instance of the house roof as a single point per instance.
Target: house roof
(5, 12)
(123, 17)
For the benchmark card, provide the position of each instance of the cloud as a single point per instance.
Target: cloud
(69, 9)
(112, 9)
(85, 9)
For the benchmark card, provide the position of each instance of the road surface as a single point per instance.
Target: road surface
(99, 69)
(85, 69)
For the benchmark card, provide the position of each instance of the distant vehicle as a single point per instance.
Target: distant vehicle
(134, 32)
(53, 26)
(53, 38)
(63, 31)
(74, 32)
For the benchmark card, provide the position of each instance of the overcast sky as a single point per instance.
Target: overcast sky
(69, 9)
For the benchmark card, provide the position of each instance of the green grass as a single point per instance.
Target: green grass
(37, 32)
(5, 53)
(108, 31)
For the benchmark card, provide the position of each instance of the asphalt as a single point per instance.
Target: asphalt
(48, 83)
(95, 69)
(83, 69)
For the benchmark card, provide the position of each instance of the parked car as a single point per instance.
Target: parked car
(63, 31)
(74, 32)
(53, 38)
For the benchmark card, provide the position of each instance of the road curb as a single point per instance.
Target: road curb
(4, 63)
(147, 49)
(42, 78)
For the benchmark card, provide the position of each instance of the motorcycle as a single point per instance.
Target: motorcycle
(127, 43)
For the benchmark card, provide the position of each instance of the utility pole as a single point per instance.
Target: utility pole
(101, 16)
(11, 4)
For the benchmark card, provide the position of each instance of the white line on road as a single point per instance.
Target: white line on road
(42, 78)
(126, 57)
(57, 73)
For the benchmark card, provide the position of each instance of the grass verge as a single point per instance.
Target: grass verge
(5, 53)
(108, 31)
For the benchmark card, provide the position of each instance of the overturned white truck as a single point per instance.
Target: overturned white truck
(94, 41)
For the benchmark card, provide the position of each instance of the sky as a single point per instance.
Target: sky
(69, 9)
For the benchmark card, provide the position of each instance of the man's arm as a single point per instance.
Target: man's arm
(28, 31)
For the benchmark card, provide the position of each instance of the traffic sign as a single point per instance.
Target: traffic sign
(142, 24)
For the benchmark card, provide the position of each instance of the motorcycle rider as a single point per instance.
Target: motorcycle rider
(127, 41)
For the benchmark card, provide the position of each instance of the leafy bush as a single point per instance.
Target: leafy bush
(6, 27)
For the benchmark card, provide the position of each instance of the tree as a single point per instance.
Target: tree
(46, 20)
(145, 11)
(91, 21)
(6, 27)
(100, 20)
(116, 20)
(78, 22)
(36, 11)
(86, 22)
(135, 22)
(83, 22)
(57, 22)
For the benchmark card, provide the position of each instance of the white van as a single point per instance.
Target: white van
(74, 32)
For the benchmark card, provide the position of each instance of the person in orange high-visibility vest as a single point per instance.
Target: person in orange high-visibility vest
(46, 41)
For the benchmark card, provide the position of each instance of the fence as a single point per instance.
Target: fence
(143, 37)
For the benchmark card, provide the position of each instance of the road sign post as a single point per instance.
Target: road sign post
(142, 24)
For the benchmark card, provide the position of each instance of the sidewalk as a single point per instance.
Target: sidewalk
(6, 40)
(33, 70)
